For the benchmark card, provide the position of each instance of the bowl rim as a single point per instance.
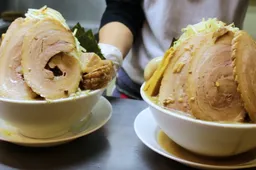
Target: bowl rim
(190, 119)
(79, 95)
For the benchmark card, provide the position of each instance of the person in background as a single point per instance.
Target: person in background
(149, 27)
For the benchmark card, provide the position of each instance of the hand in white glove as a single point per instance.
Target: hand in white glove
(112, 53)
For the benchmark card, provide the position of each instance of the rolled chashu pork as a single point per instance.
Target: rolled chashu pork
(244, 63)
(172, 93)
(211, 87)
(199, 77)
(40, 56)
(36, 59)
(48, 65)
(12, 84)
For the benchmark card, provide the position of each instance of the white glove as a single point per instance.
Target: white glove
(112, 53)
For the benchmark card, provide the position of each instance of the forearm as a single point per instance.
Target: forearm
(118, 35)
(121, 23)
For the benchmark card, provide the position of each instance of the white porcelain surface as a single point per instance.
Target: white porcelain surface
(203, 137)
(147, 130)
(99, 116)
(44, 119)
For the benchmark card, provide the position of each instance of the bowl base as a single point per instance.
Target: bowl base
(43, 136)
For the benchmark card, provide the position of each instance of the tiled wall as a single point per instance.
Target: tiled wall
(89, 12)
(250, 20)
(71, 9)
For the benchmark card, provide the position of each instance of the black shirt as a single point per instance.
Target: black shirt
(128, 12)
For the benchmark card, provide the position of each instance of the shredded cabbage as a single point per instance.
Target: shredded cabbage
(78, 46)
(205, 26)
(46, 12)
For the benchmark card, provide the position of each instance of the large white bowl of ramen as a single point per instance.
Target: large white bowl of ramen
(48, 119)
(48, 80)
(203, 94)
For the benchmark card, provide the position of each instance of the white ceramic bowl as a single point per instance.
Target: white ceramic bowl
(203, 137)
(44, 119)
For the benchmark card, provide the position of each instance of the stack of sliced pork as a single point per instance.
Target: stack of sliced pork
(40, 56)
(209, 73)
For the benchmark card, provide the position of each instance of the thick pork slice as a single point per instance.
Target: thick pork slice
(244, 58)
(49, 66)
(211, 83)
(12, 84)
(172, 93)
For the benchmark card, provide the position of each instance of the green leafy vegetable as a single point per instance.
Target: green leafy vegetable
(87, 40)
